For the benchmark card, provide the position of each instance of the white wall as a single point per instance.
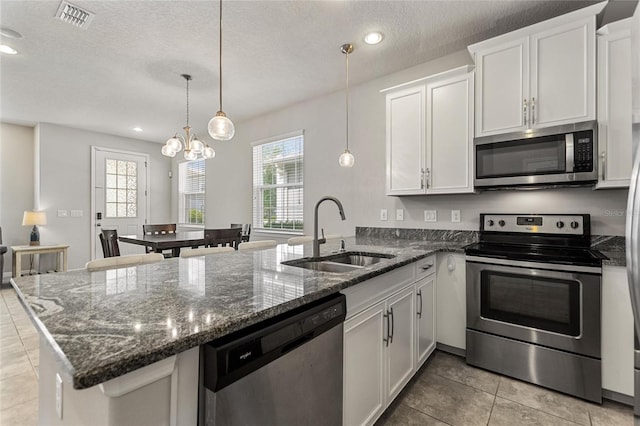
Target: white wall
(362, 189)
(16, 185)
(64, 179)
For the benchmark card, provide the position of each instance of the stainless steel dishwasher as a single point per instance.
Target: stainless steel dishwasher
(283, 371)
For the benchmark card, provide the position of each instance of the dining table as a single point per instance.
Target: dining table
(160, 242)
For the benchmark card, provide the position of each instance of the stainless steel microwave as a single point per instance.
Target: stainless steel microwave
(553, 156)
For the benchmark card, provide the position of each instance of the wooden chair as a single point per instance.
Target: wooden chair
(246, 230)
(258, 245)
(123, 261)
(231, 237)
(202, 251)
(109, 242)
(3, 250)
(160, 229)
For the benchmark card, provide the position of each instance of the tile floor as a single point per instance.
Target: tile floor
(19, 353)
(449, 392)
(445, 392)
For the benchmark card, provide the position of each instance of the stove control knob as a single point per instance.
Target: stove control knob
(560, 224)
(574, 225)
(490, 222)
(501, 223)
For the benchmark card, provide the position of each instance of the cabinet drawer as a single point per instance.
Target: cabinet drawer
(425, 267)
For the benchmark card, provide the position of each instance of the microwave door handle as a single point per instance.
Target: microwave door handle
(569, 160)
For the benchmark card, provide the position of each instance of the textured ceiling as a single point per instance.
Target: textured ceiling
(124, 70)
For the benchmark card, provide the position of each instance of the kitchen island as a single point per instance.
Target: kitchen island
(97, 328)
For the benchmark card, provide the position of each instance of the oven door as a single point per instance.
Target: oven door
(525, 301)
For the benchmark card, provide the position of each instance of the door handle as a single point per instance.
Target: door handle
(420, 298)
(392, 321)
(603, 155)
(524, 111)
(533, 111)
(386, 339)
(426, 267)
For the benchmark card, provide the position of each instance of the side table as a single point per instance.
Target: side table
(19, 251)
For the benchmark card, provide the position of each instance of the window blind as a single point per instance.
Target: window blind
(278, 185)
(191, 187)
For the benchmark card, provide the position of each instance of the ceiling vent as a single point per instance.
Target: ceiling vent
(74, 15)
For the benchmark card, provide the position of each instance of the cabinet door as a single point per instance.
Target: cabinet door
(400, 351)
(614, 106)
(364, 397)
(405, 141)
(502, 85)
(451, 295)
(425, 319)
(563, 71)
(449, 136)
(617, 332)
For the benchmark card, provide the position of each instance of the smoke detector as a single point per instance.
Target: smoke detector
(74, 15)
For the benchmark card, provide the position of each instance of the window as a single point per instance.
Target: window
(121, 188)
(278, 188)
(191, 192)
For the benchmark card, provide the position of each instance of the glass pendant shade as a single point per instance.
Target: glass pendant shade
(208, 152)
(190, 155)
(221, 128)
(346, 159)
(167, 151)
(197, 146)
(174, 144)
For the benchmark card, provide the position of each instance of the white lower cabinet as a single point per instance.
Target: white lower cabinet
(364, 398)
(385, 340)
(425, 319)
(400, 342)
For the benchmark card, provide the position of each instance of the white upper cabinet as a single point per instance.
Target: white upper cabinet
(405, 141)
(430, 135)
(502, 91)
(614, 105)
(449, 153)
(538, 76)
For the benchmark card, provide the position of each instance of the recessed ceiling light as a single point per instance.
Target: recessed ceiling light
(373, 38)
(137, 129)
(7, 49)
(8, 32)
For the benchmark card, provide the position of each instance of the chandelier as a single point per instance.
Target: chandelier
(194, 148)
(220, 126)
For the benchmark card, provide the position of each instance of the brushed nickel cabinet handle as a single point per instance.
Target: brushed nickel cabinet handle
(420, 298)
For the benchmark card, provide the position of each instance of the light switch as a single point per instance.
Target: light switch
(399, 214)
(62, 213)
(76, 213)
(383, 214)
(455, 215)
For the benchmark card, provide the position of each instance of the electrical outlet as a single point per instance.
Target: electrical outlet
(399, 214)
(455, 215)
(59, 395)
(62, 213)
(383, 214)
(430, 216)
(76, 213)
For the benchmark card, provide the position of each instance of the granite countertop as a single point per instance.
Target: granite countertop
(611, 246)
(105, 324)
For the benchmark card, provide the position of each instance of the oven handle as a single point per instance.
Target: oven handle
(535, 265)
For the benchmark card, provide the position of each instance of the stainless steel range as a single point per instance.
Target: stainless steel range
(533, 301)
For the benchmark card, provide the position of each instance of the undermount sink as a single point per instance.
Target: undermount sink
(339, 263)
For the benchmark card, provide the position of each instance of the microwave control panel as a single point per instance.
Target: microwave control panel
(583, 151)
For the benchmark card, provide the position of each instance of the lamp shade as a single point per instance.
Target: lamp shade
(31, 218)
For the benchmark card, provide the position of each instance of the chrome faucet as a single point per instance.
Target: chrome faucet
(316, 241)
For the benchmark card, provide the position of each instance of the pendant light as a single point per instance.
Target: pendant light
(220, 126)
(194, 148)
(346, 158)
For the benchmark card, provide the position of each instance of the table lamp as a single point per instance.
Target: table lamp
(34, 218)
